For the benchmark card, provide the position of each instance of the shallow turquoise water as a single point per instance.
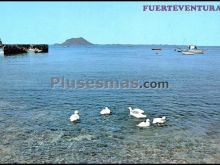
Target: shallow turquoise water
(34, 119)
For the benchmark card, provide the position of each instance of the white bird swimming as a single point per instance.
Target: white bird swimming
(144, 124)
(136, 110)
(137, 115)
(105, 111)
(74, 116)
(159, 120)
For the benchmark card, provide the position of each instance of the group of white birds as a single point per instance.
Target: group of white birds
(136, 112)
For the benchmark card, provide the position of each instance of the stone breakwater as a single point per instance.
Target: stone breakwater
(13, 49)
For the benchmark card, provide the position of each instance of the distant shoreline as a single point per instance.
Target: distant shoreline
(80, 41)
(158, 45)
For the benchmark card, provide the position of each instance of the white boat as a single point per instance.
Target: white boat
(192, 49)
(187, 53)
(180, 50)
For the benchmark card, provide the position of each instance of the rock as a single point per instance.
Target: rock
(42, 47)
(14, 49)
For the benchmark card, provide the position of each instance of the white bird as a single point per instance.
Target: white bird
(159, 120)
(105, 111)
(144, 124)
(136, 110)
(74, 116)
(137, 115)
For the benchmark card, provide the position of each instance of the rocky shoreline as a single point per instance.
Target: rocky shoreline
(13, 49)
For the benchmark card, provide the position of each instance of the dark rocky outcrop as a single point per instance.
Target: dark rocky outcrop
(42, 47)
(13, 49)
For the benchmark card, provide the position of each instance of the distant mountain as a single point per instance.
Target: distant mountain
(75, 41)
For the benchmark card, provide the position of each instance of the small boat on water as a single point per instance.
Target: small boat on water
(180, 50)
(187, 53)
(156, 49)
(192, 49)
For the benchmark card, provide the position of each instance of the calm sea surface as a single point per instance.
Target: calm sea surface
(34, 119)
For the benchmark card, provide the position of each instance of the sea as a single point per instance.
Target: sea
(34, 117)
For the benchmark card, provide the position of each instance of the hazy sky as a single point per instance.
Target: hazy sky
(107, 23)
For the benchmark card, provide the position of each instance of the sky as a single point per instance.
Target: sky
(107, 23)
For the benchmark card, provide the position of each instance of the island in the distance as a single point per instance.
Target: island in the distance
(75, 41)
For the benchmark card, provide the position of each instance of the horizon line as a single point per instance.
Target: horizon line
(92, 44)
(60, 44)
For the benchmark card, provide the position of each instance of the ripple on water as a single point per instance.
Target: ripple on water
(34, 120)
